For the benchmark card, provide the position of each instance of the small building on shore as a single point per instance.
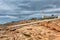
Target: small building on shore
(59, 16)
(52, 16)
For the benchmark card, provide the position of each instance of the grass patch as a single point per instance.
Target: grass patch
(43, 18)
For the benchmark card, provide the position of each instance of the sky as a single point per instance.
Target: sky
(15, 10)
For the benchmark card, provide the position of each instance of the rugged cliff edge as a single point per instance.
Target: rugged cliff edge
(45, 30)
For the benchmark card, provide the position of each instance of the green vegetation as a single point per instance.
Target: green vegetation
(47, 18)
(43, 18)
(33, 19)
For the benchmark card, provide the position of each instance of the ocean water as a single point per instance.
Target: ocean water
(14, 10)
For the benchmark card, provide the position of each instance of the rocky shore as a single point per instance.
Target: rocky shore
(40, 31)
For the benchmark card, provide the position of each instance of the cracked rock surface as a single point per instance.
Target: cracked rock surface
(39, 31)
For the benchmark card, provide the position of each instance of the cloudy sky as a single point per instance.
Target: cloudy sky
(14, 10)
